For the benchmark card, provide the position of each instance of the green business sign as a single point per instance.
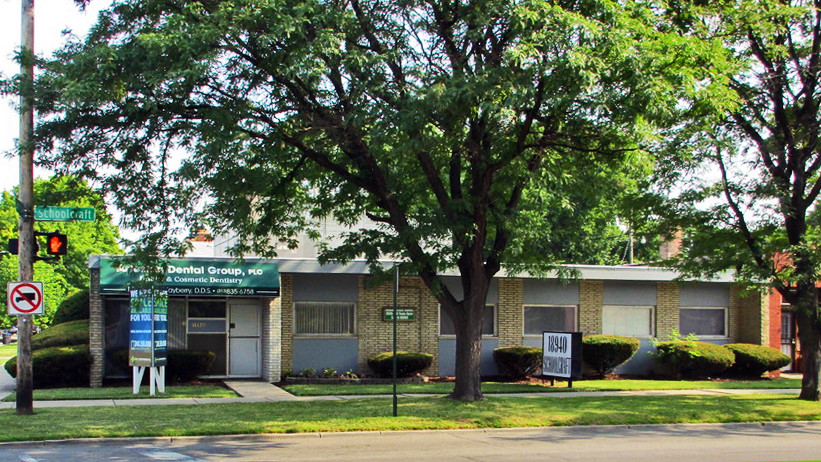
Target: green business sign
(64, 214)
(402, 314)
(198, 277)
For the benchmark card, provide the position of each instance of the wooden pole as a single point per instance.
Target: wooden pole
(26, 250)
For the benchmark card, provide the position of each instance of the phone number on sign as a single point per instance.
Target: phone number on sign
(210, 291)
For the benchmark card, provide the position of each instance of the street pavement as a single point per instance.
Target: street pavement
(617, 443)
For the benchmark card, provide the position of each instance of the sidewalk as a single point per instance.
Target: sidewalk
(261, 392)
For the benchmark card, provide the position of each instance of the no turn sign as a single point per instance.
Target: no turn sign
(25, 298)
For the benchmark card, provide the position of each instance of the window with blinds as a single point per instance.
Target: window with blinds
(321, 318)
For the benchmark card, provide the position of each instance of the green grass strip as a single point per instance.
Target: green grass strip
(374, 414)
(7, 352)
(441, 388)
(171, 391)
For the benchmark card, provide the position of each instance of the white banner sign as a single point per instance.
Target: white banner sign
(557, 354)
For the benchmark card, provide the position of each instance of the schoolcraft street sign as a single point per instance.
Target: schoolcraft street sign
(65, 213)
(25, 298)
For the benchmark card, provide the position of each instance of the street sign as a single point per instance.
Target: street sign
(65, 214)
(25, 298)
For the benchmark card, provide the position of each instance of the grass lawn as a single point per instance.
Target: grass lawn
(441, 388)
(414, 414)
(171, 391)
(7, 352)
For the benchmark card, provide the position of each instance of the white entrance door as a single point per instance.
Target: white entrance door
(243, 339)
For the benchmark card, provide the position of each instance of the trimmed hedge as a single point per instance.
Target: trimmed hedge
(606, 352)
(73, 308)
(689, 358)
(58, 366)
(181, 365)
(185, 366)
(754, 360)
(518, 362)
(408, 363)
(65, 334)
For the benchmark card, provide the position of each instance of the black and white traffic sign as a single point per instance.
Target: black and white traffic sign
(25, 298)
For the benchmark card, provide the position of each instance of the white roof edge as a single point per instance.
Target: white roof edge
(360, 267)
(586, 272)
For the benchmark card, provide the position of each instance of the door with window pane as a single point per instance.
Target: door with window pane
(244, 339)
(788, 338)
(207, 332)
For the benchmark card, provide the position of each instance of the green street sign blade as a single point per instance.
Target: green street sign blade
(65, 214)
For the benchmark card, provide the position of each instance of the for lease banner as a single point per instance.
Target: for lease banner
(148, 340)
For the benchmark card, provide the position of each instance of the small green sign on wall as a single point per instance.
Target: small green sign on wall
(402, 314)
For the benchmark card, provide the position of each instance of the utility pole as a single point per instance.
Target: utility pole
(25, 206)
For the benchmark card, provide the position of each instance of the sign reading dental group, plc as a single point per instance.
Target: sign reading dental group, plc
(191, 276)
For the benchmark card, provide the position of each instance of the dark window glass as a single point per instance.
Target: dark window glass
(206, 309)
(549, 318)
(703, 321)
(117, 331)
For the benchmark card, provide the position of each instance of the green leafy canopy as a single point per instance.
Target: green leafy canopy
(444, 124)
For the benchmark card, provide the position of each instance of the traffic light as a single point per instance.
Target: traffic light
(14, 247)
(56, 244)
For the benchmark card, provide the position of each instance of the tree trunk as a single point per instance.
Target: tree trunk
(468, 323)
(809, 336)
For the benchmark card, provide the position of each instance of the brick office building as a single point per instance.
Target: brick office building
(264, 317)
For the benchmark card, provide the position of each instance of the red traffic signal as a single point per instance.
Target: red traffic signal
(56, 244)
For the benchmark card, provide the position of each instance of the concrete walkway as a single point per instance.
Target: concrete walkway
(260, 392)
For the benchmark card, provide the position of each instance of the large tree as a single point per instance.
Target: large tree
(759, 214)
(69, 273)
(453, 126)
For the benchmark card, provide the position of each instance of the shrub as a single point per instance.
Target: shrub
(65, 334)
(754, 360)
(181, 365)
(519, 361)
(185, 366)
(408, 363)
(606, 352)
(58, 366)
(694, 359)
(72, 308)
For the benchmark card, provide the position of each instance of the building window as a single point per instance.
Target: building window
(632, 321)
(549, 318)
(703, 322)
(446, 326)
(319, 318)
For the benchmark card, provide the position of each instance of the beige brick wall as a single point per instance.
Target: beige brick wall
(271, 339)
(591, 300)
(749, 316)
(374, 333)
(667, 309)
(429, 326)
(510, 312)
(96, 323)
(286, 290)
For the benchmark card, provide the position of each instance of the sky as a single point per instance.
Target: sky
(51, 18)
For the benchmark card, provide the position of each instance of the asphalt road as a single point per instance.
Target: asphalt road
(703, 442)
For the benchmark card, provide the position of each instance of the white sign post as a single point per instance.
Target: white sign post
(25, 298)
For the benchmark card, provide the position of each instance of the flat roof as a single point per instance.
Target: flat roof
(360, 267)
